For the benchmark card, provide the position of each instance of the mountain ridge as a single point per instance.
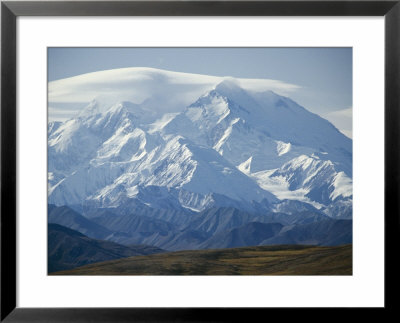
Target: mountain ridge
(230, 147)
(224, 227)
(68, 249)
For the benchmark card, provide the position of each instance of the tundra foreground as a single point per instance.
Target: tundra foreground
(260, 260)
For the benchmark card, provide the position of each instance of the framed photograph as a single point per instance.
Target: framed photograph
(187, 160)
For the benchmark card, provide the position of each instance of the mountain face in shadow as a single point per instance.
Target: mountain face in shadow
(68, 249)
(69, 218)
(250, 234)
(323, 233)
(214, 228)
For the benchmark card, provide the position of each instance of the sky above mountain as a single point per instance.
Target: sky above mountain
(319, 79)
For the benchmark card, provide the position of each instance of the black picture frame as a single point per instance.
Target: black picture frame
(10, 10)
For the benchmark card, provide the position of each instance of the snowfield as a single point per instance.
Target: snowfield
(190, 142)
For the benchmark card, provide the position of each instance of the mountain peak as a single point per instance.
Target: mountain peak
(127, 107)
(91, 109)
(231, 89)
(98, 113)
(228, 84)
(233, 141)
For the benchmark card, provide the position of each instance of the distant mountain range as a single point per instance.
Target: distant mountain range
(238, 166)
(212, 229)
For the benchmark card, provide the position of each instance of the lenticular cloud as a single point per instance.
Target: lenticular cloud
(159, 90)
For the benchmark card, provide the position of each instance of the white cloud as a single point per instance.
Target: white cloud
(156, 89)
(60, 114)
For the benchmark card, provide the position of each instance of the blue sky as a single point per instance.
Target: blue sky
(324, 75)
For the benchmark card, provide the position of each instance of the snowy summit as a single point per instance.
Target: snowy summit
(185, 142)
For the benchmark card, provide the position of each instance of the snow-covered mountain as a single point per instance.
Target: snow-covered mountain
(238, 144)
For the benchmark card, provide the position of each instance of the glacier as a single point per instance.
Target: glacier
(188, 143)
